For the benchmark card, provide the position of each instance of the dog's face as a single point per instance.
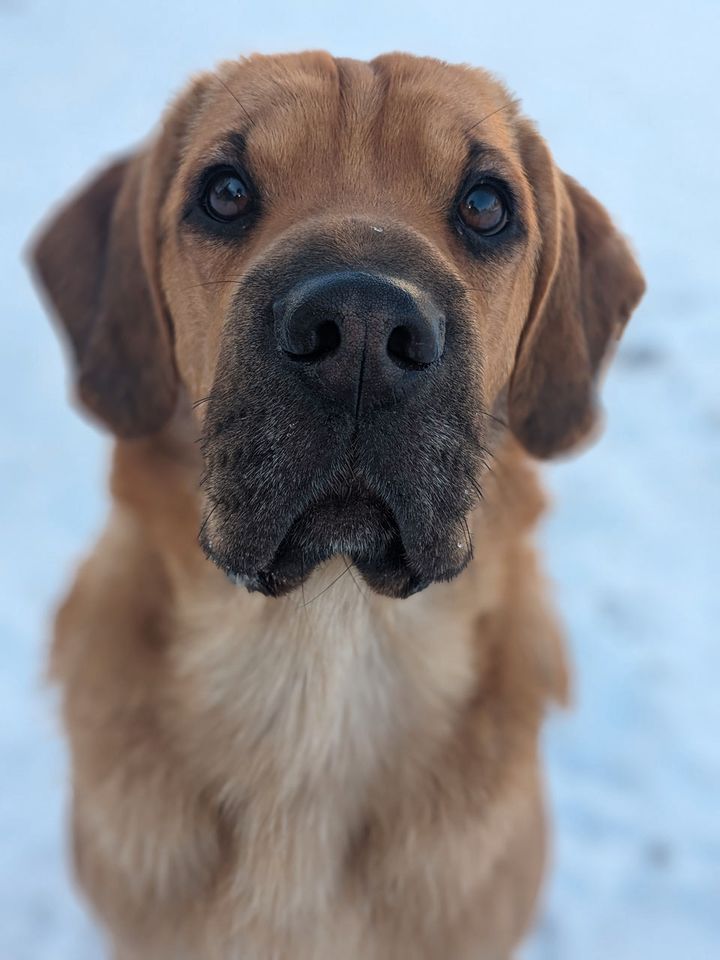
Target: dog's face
(359, 273)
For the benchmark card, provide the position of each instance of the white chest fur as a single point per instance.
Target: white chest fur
(311, 703)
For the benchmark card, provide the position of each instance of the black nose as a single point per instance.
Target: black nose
(360, 339)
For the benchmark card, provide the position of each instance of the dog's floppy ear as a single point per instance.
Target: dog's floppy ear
(587, 285)
(97, 263)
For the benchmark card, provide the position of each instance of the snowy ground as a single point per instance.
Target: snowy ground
(627, 93)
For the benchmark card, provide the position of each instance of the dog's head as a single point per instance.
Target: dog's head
(360, 273)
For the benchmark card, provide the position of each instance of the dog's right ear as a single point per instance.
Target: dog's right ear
(96, 261)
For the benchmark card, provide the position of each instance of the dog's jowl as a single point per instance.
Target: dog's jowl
(331, 312)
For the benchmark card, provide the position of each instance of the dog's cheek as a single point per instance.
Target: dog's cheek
(198, 308)
(499, 311)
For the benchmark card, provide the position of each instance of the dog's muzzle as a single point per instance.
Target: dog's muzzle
(343, 420)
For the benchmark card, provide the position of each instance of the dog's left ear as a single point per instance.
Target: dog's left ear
(586, 287)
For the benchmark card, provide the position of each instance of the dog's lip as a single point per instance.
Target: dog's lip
(353, 524)
(362, 530)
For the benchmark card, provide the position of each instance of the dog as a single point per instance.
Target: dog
(332, 313)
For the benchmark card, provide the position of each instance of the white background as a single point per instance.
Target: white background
(627, 94)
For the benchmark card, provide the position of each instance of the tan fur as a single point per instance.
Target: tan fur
(259, 778)
(333, 774)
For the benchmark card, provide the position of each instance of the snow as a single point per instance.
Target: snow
(627, 94)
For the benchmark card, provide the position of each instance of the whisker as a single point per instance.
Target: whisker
(228, 434)
(486, 465)
(207, 283)
(325, 589)
(505, 106)
(357, 585)
(486, 455)
(491, 416)
(202, 400)
(223, 84)
(207, 520)
(476, 487)
(468, 537)
(303, 605)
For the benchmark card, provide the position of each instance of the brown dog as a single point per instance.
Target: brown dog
(369, 294)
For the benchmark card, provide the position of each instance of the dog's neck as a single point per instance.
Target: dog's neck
(329, 681)
(303, 719)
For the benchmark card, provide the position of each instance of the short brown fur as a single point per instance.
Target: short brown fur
(352, 776)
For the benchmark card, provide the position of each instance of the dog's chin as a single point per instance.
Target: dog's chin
(361, 529)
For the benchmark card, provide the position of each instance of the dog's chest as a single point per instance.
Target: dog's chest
(312, 716)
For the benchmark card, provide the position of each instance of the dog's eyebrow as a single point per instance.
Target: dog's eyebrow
(481, 154)
(231, 149)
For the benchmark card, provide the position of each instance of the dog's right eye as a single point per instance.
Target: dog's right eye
(226, 197)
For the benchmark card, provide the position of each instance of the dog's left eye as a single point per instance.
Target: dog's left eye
(483, 209)
(226, 197)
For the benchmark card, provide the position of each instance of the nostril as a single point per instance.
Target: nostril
(413, 349)
(398, 345)
(317, 343)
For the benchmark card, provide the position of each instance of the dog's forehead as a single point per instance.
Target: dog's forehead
(311, 119)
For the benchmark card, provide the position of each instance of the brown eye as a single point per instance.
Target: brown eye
(226, 197)
(483, 209)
